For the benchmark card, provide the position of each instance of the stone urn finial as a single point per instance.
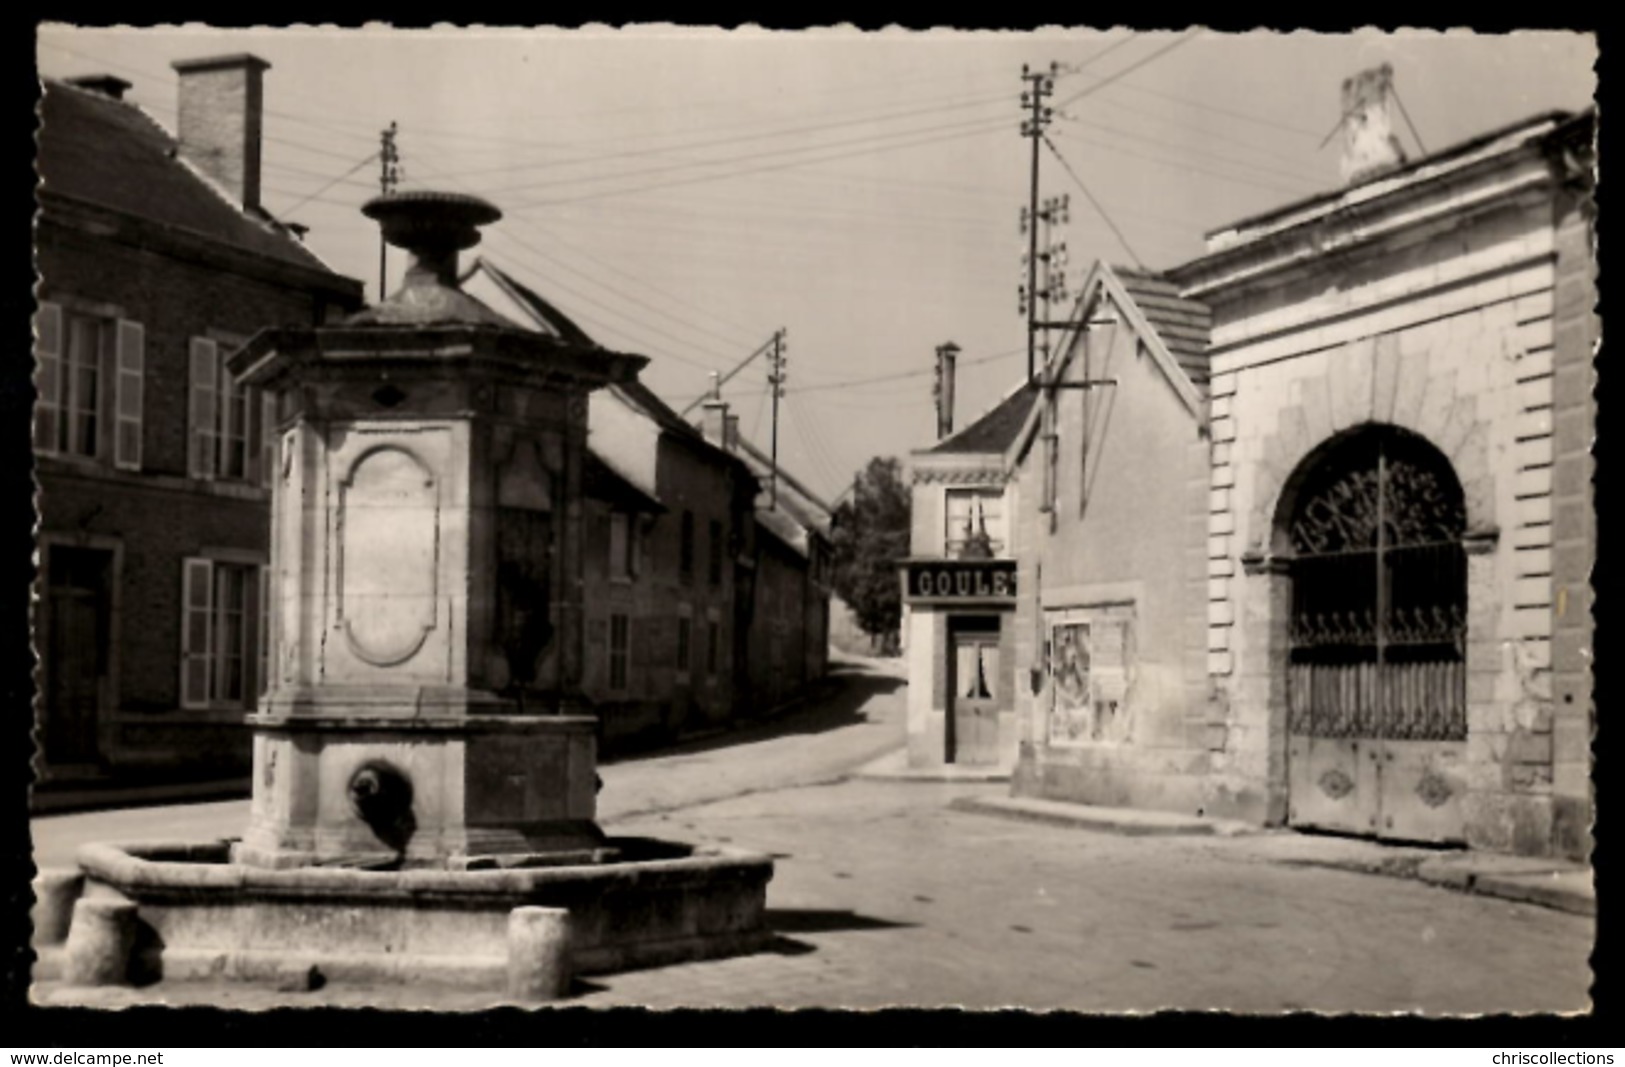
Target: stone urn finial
(433, 228)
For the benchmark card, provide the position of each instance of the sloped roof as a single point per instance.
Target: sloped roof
(603, 482)
(545, 318)
(995, 431)
(802, 505)
(1185, 326)
(112, 154)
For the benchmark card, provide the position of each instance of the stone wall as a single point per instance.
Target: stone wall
(1447, 333)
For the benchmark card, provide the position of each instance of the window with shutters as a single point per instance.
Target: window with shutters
(618, 648)
(224, 651)
(685, 559)
(713, 646)
(685, 639)
(232, 425)
(715, 546)
(89, 377)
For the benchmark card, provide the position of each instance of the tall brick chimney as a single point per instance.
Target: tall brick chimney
(222, 114)
(1369, 144)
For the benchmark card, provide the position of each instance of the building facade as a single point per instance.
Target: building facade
(156, 260)
(1302, 530)
(1400, 528)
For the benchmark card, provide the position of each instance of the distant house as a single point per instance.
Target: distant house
(156, 259)
(790, 634)
(701, 608)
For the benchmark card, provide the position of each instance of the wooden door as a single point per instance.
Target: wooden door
(78, 629)
(973, 718)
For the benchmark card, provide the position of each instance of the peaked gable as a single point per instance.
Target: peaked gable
(1179, 315)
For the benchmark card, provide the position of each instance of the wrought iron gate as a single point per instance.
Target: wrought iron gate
(1377, 686)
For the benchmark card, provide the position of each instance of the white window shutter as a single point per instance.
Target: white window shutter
(48, 377)
(270, 439)
(197, 625)
(129, 379)
(203, 406)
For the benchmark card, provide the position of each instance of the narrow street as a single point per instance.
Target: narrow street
(884, 896)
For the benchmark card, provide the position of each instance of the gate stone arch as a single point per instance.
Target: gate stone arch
(1365, 383)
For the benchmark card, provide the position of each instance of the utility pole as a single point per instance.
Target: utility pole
(775, 381)
(388, 177)
(1055, 212)
(1032, 128)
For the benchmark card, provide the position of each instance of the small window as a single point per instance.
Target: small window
(617, 651)
(685, 561)
(968, 514)
(713, 647)
(620, 546)
(715, 546)
(685, 627)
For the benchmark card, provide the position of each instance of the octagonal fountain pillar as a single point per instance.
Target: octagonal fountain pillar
(426, 637)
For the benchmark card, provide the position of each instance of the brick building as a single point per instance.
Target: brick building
(156, 259)
(1302, 533)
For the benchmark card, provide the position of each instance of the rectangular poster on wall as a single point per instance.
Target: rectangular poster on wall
(1070, 714)
(1091, 664)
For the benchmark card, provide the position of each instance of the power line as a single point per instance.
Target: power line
(1131, 68)
(1069, 69)
(988, 127)
(789, 131)
(728, 161)
(1056, 152)
(1406, 115)
(329, 185)
(620, 313)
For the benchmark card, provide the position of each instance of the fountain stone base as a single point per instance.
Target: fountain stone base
(380, 789)
(200, 916)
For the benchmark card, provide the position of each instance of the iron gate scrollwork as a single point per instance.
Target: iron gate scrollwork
(1379, 595)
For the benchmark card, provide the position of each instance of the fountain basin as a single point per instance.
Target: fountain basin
(200, 916)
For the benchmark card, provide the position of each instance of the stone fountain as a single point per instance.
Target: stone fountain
(424, 791)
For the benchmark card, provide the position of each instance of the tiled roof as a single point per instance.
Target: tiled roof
(994, 432)
(603, 482)
(111, 153)
(1184, 325)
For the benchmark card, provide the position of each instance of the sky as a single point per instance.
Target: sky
(682, 193)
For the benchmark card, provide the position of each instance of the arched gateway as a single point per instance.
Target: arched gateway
(1376, 672)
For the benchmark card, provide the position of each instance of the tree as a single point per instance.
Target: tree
(871, 535)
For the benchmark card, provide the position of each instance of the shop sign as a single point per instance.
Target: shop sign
(960, 580)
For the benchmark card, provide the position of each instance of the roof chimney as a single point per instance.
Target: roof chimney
(1369, 144)
(222, 114)
(715, 422)
(730, 432)
(944, 391)
(106, 84)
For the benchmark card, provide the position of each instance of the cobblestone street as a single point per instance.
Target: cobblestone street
(885, 896)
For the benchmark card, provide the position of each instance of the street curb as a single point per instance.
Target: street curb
(1128, 822)
(893, 767)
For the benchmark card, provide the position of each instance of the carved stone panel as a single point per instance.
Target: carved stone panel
(389, 523)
